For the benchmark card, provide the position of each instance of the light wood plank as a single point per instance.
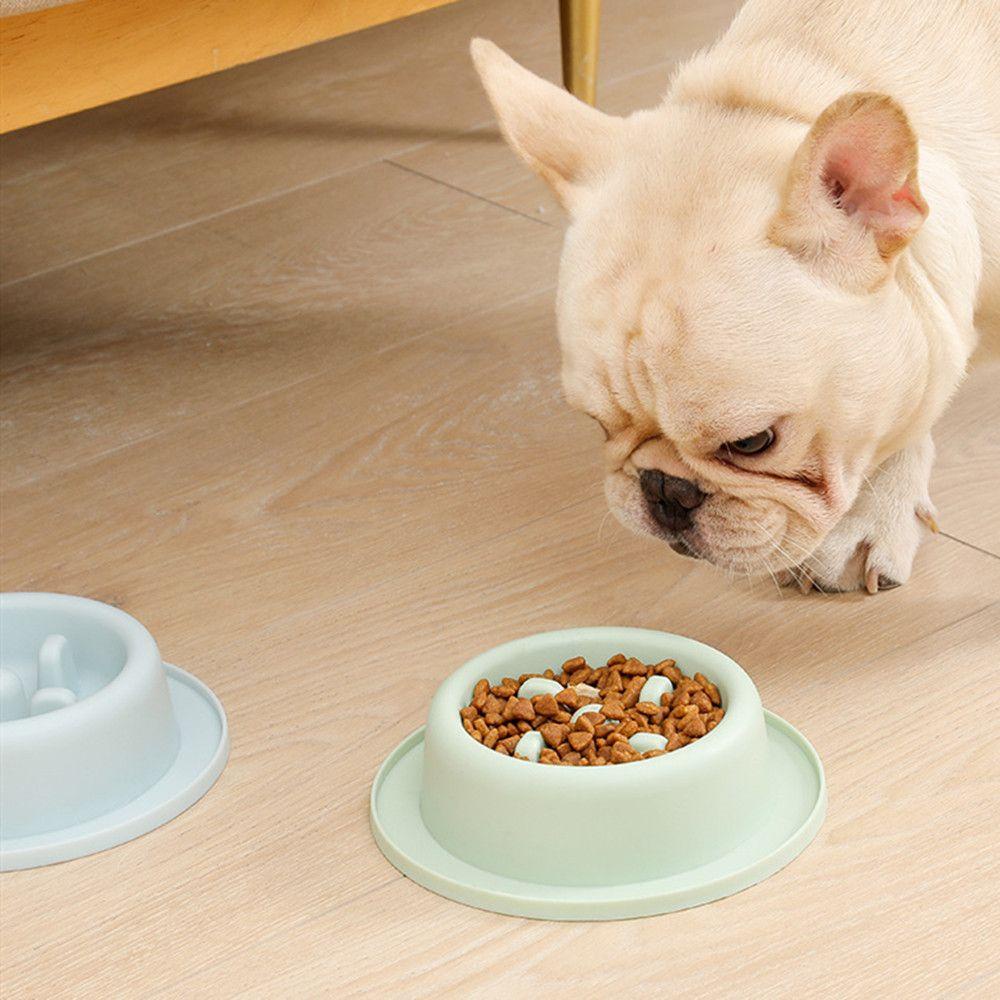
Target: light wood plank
(266, 864)
(324, 457)
(966, 480)
(126, 171)
(244, 305)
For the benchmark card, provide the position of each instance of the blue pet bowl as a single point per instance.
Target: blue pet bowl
(100, 741)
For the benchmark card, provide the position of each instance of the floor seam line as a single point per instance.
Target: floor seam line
(970, 545)
(471, 194)
(404, 151)
(180, 227)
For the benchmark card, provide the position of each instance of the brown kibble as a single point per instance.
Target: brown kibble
(568, 698)
(523, 710)
(553, 733)
(710, 689)
(630, 696)
(546, 704)
(702, 700)
(479, 693)
(668, 669)
(622, 752)
(497, 717)
(681, 698)
(613, 709)
(694, 726)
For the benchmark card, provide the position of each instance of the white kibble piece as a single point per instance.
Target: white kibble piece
(585, 690)
(655, 688)
(530, 745)
(644, 742)
(535, 686)
(583, 711)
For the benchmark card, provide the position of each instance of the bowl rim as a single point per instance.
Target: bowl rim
(744, 703)
(142, 655)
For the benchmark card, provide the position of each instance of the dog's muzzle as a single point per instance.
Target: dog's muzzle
(671, 499)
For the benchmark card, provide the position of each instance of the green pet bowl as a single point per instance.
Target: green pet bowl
(579, 843)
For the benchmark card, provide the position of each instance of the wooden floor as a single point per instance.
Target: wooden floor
(280, 379)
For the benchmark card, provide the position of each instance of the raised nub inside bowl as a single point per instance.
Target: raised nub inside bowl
(49, 662)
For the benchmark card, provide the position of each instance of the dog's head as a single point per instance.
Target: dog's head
(729, 308)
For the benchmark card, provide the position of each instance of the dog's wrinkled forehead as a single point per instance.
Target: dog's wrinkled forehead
(690, 345)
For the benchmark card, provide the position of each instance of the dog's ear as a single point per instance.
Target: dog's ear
(568, 143)
(851, 201)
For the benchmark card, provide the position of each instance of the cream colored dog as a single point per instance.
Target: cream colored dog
(762, 299)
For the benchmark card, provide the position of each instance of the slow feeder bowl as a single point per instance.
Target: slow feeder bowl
(100, 741)
(579, 843)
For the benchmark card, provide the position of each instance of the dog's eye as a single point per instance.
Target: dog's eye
(752, 445)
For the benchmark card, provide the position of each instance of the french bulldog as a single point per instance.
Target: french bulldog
(771, 282)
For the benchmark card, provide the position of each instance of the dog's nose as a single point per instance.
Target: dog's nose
(670, 498)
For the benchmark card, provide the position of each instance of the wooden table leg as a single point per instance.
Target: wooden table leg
(578, 25)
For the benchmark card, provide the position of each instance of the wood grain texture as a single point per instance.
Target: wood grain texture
(80, 55)
(314, 439)
(167, 159)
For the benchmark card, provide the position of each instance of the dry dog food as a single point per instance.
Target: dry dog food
(590, 716)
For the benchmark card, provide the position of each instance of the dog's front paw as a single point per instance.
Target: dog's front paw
(874, 545)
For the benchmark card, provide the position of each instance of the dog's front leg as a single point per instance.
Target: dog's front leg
(874, 545)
